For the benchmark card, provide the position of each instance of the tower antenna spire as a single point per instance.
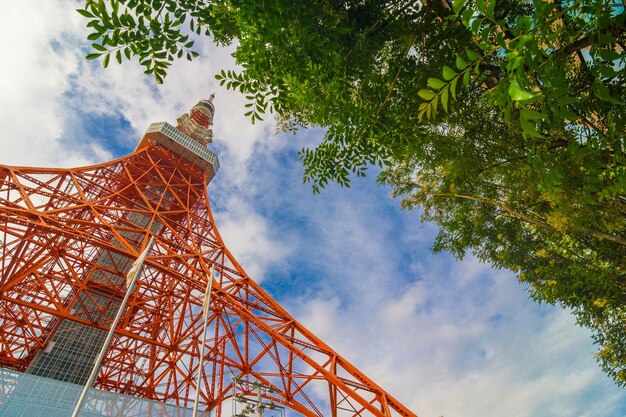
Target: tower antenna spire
(198, 121)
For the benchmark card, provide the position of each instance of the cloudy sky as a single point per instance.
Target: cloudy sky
(457, 339)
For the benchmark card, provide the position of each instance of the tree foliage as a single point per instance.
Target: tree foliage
(503, 119)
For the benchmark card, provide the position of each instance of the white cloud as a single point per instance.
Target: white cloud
(249, 237)
(35, 38)
(413, 296)
(446, 338)
(445, 349)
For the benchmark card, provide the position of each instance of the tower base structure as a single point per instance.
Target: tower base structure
(67, 240)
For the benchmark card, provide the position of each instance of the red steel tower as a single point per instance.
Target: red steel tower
(67, 240)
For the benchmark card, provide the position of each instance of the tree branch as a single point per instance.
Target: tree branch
(395, 80)
(539, 223)
(584, 42)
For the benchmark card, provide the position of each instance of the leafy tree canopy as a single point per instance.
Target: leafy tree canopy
(503, 119)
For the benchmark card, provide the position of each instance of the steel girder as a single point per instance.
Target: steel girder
(67, 239)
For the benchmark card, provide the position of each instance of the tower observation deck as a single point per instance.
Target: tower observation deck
(68, 237)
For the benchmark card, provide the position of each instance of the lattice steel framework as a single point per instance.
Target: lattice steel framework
(67, 239)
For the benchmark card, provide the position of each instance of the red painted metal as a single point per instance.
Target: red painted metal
(56, 227)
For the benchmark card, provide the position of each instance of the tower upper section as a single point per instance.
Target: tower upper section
(197, 123)
(189, 138)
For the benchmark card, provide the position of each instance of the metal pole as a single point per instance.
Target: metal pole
(205, 316)
(259, 400)
(105, 345)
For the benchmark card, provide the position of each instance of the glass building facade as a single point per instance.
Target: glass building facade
(24, 395)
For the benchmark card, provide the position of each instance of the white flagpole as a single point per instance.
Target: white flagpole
(131, 283)
(205, 315)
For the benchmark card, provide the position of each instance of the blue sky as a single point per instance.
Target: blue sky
(450, 338)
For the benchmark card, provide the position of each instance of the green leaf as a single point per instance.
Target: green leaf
(602, 92)
(453, 88)
(457, 5)
(448, 73)
(98, 47)
(565, 100)
(529, 128)
(517, 93)
(118, 56)
(588, 198)
(523, 40)
(105, 62)
(93, 56)
(475, 25)
(485, 33)
(491, 9)
(471, 55)
(466, 79)
(467, 16)
(531, 114)
(514, 64)
(500, 40)
(426, 94)
(461, 64)
(85, 13)
(435, 83)
(480, 5)
(444, 99)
